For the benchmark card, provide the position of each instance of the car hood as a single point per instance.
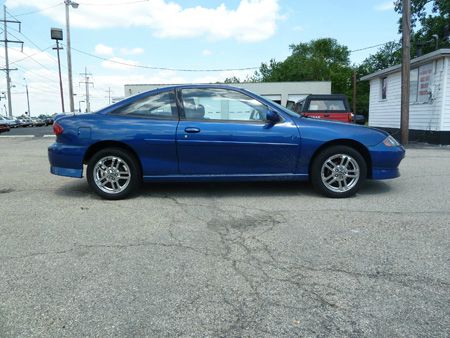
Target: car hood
(325, 130)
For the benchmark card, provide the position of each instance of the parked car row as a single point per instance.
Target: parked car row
(4, 125)
(24, 121)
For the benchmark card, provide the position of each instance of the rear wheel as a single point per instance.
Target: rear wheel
(338, 171)
(113, 173)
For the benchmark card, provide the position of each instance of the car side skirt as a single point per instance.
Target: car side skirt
(68, 172)
(227, 178)
(383, 174)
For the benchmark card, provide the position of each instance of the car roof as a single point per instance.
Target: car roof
(169, 88)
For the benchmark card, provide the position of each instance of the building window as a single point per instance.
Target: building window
(413, 83)
(420, 84)
(384, 88)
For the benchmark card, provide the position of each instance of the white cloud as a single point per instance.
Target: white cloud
(206, 52)
(119, 63)
(102, 49)
(132, 51)
(385, 6)
(250, 21)
(298, 28)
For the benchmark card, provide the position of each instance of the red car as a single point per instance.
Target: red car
(328, 107)
(3, 127)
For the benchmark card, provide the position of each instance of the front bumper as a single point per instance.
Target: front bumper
(385, 161)
(66, 160)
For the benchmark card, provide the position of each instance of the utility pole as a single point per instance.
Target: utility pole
(79, 105)
(7, 69)
(58, 48)
(354, 92)
(69, 55)
(28, 98)
(109, 94)
(406, 46)
(87, 83)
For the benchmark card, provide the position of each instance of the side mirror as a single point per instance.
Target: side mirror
(273, 117)
(360, 119)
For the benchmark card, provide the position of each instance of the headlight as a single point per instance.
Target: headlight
(390, 142)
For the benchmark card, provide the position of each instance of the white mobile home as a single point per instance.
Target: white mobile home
(429, 114)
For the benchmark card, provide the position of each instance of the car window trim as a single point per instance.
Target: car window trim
(173, 106)
(182, 114)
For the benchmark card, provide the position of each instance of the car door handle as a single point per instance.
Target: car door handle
(191, 130)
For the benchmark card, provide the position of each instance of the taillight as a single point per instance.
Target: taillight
(57, 129)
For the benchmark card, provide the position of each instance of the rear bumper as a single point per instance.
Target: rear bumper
(385, 161)
(66, 160)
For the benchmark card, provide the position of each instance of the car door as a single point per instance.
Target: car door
(148, 125)
(225, 132)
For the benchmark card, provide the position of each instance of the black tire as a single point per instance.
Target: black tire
(341, 181)
(126, 163)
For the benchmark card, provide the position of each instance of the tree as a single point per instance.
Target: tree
(432, 20)
(317, 60)
(233, 79)
(388, 55)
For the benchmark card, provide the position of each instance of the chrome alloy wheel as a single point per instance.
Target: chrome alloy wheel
(340, 173)
(112, 174)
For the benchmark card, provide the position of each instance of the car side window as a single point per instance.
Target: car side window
(221, 104)
(158, 106)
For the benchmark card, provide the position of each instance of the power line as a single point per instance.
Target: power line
(29, 56)
(37, 46)
(162, 68)
(113, 4)
(196, 70)
(48, 82)
(36, 11)
(370, 47)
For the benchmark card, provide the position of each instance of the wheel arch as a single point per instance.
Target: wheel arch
(361, 148)
(95, 147)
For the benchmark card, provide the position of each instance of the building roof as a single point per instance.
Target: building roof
(416, 62)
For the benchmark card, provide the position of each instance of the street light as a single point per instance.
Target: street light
(69, 56)
(57, 34)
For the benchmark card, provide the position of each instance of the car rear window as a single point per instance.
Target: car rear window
(328, 105)
(157, 106)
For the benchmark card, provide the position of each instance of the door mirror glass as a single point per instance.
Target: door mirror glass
(272, 117)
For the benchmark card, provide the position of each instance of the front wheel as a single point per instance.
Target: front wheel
(113, 173)
(338, 171)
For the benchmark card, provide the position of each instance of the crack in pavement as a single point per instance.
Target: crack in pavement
(242, 233)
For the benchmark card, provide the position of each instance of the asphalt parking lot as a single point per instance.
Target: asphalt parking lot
(44, 131)
(228, 260)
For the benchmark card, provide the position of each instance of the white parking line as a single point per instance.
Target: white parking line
(26, 136)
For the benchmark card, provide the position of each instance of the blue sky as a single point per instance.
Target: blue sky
(175, 34)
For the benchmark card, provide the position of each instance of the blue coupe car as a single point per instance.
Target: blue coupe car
(216, 133)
